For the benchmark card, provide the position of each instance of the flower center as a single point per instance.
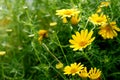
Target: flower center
(73, 70)
(99, 20)
(82, 43)
(68, 12)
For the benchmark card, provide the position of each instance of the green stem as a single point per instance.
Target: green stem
(50, 52)
(86, 24)
(36, 52)
(87, 57)
(61, 49)
(53, 67)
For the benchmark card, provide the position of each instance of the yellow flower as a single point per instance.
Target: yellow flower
(73, 69)
(98, 19)
(67, 12)
(81, 40)
(94, 74)
(42, 34)
(83, 73)
(2, 53)
(53, 23)
(104, 4)
(59, 65)
(108, 31)
(75, 19)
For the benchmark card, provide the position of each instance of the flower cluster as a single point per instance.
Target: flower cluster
(71, 14)
(107, 28)
(79, 69)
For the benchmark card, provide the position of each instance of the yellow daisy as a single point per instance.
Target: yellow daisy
(83, 73)
(98, 19)
(81, 40)
(73, 69)
(94, 74)
(104, 4)
(108, 31)
(42, 34)
(75, 19)
(67, 12)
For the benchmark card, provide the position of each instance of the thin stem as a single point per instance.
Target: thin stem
(36, 52)
(87, 57)
(53, 67)
(86, 24)
(50, 52)
(61, 49)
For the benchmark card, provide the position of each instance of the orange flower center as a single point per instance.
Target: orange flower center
(73, 70)
(82, 43)
(68, 12)
(107, 28)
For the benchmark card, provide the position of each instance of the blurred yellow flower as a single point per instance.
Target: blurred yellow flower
(75, 19)
(104, 4)
(2, 53)
(98, 19)
(42, 34)
(108, 30)
(83, 73)
(67, 12)
(94, 74)
(73, 69)
(59, 65)
(53, 23)
(81, 40)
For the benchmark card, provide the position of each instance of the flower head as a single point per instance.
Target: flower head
(108, 30)
(81, 40)
(98, 19)
(42, 34)
(73, 69)
(104, 4)
(59, 65)
(67, 12)
(75, 19)
(83, 73)
(2, 53)
(94, 74)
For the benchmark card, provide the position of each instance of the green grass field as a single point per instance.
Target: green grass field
(58, 39)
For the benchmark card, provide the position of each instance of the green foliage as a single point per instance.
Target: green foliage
(27, 58)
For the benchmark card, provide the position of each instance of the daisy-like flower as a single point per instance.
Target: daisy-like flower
(81, 40)
(2, 53)
(83, 73)
(108, 30)
(67, 12)
(94, 74)
(42, 34)
(73, 69)
(59, 65)
(98, 19)
(75, 19)
(105, 4)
